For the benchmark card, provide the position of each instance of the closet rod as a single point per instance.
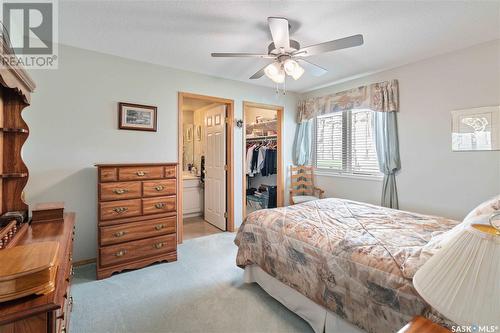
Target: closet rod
(263, 138)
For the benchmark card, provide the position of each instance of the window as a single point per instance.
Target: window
(345, 143)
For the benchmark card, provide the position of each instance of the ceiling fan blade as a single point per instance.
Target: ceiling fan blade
(259, 73)
(312, 68)
(280, 32)
(242, 55)
(338, 44)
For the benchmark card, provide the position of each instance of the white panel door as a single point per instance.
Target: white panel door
(215, 161)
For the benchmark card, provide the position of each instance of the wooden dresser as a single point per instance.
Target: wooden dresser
(50, 312)
(137, 216)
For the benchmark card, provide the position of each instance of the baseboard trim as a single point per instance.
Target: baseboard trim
(84, 262)
(188, 215)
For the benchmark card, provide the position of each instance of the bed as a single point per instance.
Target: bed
(335, 260)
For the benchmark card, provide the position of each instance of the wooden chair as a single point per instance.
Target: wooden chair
(302, 185)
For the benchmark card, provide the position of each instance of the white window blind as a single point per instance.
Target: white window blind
(345, 143)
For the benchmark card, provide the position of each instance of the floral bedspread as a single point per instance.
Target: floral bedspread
(355, 259)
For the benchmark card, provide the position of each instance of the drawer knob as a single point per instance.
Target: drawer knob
(158, 245)
(120, 253)
(159, 226)
(72, 271)
(119, 233)
(63, 329)
(120, 210)
(160, 205)
(120, 190)
(141, 173)
(159, 188)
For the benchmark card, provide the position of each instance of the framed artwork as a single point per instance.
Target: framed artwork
(189, 133)
(137, 117)
(198, 132)
(475, 129)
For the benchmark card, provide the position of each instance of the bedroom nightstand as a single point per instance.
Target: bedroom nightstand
(422, 325)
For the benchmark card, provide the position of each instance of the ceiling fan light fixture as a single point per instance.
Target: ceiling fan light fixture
(280, 77)
(272, 69)
(298, 72)
(290, 66)
(275, 72)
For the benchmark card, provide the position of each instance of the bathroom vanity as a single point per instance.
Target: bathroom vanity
(192, 203)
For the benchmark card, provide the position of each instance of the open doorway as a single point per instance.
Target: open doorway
(262, 157)
(205, 204)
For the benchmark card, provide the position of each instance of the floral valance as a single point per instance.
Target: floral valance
(380, 96)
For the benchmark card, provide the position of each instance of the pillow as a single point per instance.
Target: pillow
(478, 219)
(488, 207)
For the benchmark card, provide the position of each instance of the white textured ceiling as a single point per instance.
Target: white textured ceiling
(182, 34)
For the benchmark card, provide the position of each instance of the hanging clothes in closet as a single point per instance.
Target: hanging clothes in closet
(261, 158)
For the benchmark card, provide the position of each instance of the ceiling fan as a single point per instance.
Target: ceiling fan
(288, 56)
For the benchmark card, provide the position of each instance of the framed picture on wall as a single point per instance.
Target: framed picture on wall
(198, 132)
(476, 129)
(137, 117)
(189, 133)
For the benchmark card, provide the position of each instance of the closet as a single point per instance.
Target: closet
(263, 187)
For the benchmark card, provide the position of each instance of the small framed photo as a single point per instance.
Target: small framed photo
(189, 134)
(137, 117)
(198, 133)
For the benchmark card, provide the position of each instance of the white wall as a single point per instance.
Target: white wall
(73, 124)
(433, 179)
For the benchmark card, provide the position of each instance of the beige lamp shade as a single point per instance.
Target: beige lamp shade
(462, 280)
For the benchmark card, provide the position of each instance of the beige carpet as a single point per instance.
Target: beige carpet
(201, 292)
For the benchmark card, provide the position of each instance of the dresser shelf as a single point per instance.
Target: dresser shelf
(15, 94)
(14, 130)
(14, 175)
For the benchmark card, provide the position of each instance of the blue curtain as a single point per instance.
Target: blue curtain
(302, 143)
(387, 145)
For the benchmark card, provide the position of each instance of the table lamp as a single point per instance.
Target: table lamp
(462, 280)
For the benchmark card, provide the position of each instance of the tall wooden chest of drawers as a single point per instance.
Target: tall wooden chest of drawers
(137, 216)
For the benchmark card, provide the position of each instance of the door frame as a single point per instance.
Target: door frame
(279, 176)
(229, 158)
